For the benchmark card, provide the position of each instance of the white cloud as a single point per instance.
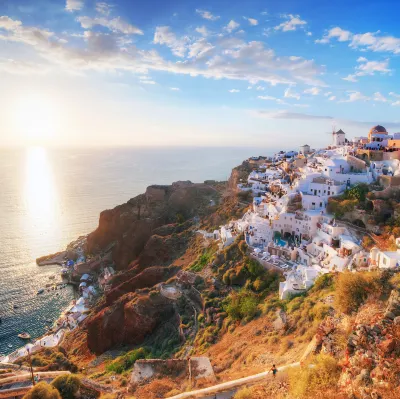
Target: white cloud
(271, 98)
(19, 67)
(351, 78)
(115, 24)
(260, 88)
(283, 114)
(231, 26)
(293, 22)
(332, 98)
(369, 68)
(396, 103)
(202, 30)
(231, 58)
(379, 97)
(163, 35)
(289, 93)
(234, 91)
(9, 24)
(207, 15)
(175, 88)
(252, 21)
(200, 48)
(328, 93)
(309, 33)
(249, 87)
(338, 33)
(355, 96)
(394, 94)
(73, 5)
(267, 98)
(313, 91)
(103, 8)
(363, 41)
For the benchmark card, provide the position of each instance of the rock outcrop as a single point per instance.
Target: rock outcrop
(128, 227)
(128, 321)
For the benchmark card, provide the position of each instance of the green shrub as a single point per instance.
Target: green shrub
(125, 362)
(43, 390)
(68, 385)
(242, 305)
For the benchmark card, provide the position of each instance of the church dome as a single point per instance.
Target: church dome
(378, 129)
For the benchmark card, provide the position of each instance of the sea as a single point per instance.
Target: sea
(49, 197)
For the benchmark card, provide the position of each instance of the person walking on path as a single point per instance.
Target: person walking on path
(273, 370)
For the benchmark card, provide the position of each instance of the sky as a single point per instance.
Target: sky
(196, 73)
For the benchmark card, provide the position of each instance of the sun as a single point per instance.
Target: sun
(35, 117)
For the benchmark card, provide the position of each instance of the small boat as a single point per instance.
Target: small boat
(15, 306)
(40, 291)
(24, 335)
(9, 345)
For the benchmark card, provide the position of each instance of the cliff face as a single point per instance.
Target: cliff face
(128, 227)
(145, 240)
(128, 321)
(240, 172)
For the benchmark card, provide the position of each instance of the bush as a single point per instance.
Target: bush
(68, 385)
(352, 289)
(242, 305)
(125, 362)
(305, 382)
(43, 390)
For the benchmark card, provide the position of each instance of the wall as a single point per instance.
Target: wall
(391, 155)
(356, 163)
(389, 181)
(371, 155)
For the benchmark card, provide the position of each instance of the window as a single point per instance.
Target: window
(384, 261)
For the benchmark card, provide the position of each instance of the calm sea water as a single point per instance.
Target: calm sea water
(50, 197)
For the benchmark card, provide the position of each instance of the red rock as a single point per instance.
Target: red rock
(387, 346)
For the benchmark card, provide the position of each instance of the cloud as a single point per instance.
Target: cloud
(230, 58)
(350, 78)
(332, 98)
(293, 22)
(368, 68)
(363, 41)
(103, 8)
(175, 88)
(115, 25)
(19, 67)
(231, 26)
(284, 114)
(328, 93)
(163, 35)
(207, 15)
(379, 97)
(200, 48)
(289, 93)
(337, 33)
(260, 88)
(234, 91)
(396, 103)
(313, 91)
(355, 96)
(394, 94)
(146, 80)
(252, 21)
(73, 5)
(277, 100)
(202, 30)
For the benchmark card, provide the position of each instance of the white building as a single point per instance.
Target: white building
(304, 149)
(299, 280)
(339, 138)
(325, 187)
(386, 259)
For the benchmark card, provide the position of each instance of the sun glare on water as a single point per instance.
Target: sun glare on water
(35, 117)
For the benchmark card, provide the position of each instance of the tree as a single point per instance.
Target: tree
(43, 390)
(68, 385)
